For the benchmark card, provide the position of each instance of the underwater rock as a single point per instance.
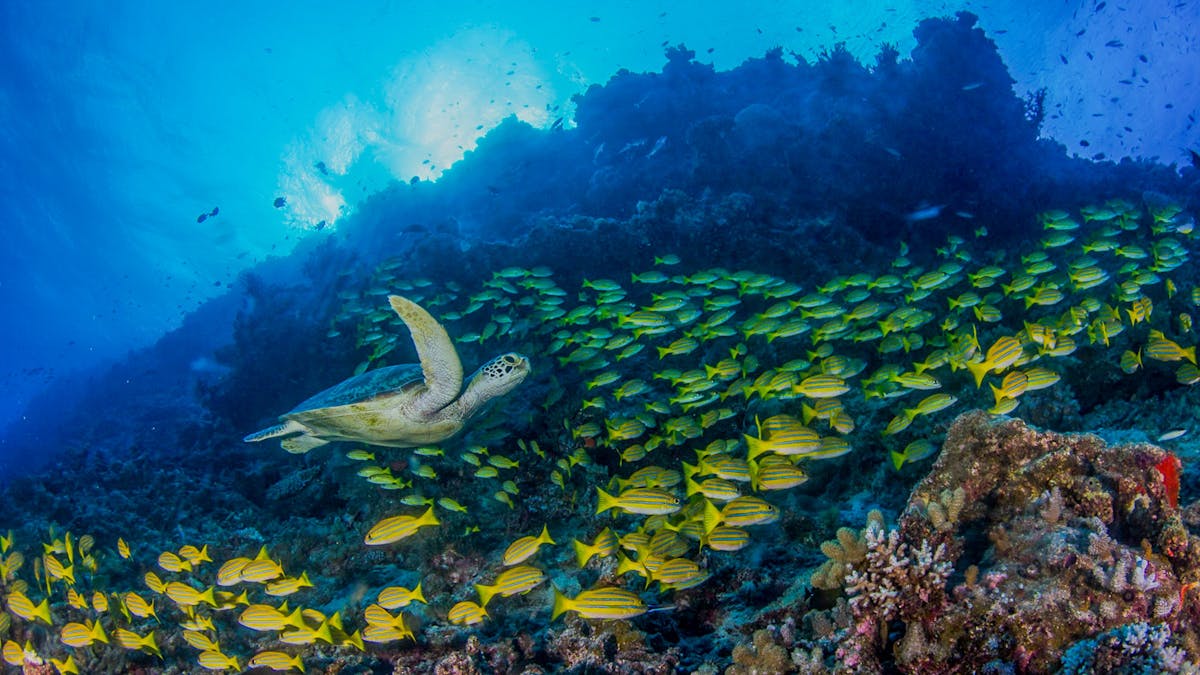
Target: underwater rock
(1053, 539)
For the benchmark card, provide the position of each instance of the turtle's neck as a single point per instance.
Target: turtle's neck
(469, 402)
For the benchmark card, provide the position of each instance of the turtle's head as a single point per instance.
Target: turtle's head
(496, 378)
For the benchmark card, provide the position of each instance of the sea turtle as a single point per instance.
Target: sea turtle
(400, 406)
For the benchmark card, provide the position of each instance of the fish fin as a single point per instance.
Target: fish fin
(583, 552)
(604, 501)
(712, 517)
(979, 369)
(485, 594)
(561, 604)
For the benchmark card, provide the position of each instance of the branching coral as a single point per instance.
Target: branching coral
(1133, 648)
(893, 574)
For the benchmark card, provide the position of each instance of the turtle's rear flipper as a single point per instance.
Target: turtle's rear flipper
(288, 427)
(301, 444)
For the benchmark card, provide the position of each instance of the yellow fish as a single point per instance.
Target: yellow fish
(396, 597)
(20, 604)
(81, 635)
(137, 605)
(260, 571)
(288, 585)
(68, 666)
(605, 544)
(213, 659)
(268, 618)
(230, 572)
(200, 641)
(277, 661)
(194, 555)
(173, 563)
(186, 596)
(130, 640)
(390, 530)
(467, 613)
(516, 580)
(599, 603)
(524, 548)
(645, 501)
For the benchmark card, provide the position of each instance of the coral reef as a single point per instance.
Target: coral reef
(1016, 546)
(1134, 648)
(1021, 550)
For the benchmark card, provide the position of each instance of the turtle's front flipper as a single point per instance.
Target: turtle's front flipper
(439, 360)
(288, 427)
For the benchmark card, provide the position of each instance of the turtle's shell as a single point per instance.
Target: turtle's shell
(387, 381)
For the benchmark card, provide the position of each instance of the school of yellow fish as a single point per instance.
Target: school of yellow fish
(699, 395)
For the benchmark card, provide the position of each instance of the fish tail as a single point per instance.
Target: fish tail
(756, 446)
(430, 518)
(485, 594)
(296, 619)
(42, 612)
(561, 604)
(712, 516)
(604, 501)
(583, 552)
(979, 370)
(897, 459)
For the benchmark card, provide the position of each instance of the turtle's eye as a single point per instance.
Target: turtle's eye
(510, 359)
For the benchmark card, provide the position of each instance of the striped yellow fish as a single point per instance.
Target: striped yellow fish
(725, 538)
(173, 563)
(260, 571)
(644, 501)
(130, 640)
(390, 530)
(277, 661)
(213, 659)
(200, 641)
(517, 580)
(186, 596)
(81, 635)
(138, 606)
(522, 549)
(467, 613)
(267, 618)
(599, 603)
(605, 544)
(395, 597)
(230, 572)
(748, 510)
(821, 386)
(288, 585)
